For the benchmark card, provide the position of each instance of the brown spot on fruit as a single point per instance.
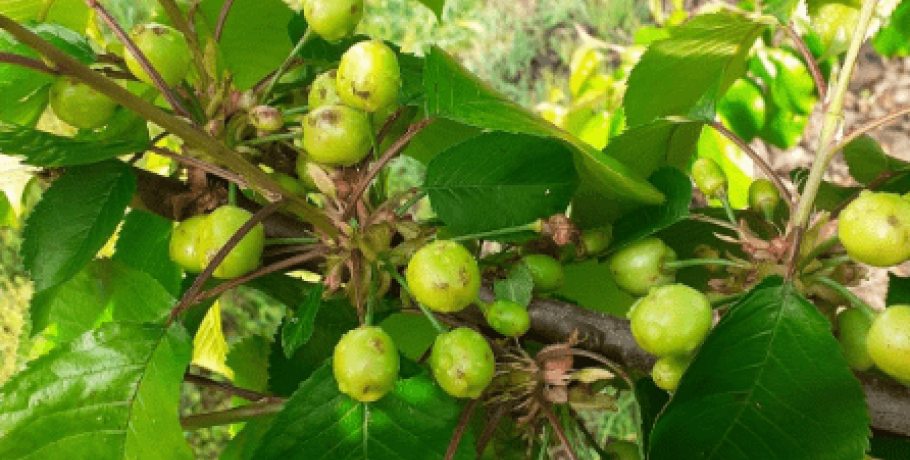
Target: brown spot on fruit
(892, 220)
(377, 345)
(441, 286)
(463, 276)
(329, 116)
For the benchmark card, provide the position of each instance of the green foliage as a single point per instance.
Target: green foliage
(319, 420)
(894, 39)
(39, 148)
(143, 244)
(649, 220)
(517, 287)
(730, 405)
(297, 332)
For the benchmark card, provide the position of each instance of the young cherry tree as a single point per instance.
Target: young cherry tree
(221, 153)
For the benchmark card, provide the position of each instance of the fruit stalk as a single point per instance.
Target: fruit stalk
(762, 164)
(833, 122)
(180, 23)
(287, 63)
(816, 72)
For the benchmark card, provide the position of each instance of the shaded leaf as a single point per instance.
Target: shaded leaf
(296, 332)
(249, 359)
(867, 160)
(590, 284)
(649, 220)
(704, 56)
(518, 287)
(39, 148)
(412, 334)
(772, 397)
(415, 421)
(898, 290)
(651, 401)
(144, 244)
(111, 394)
(500, 180)
(74, 219)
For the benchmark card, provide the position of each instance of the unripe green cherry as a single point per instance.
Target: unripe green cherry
(246, 256)
(462, 363)
(366, 363)
(596, 240)
(875, 229)
(80, 105)
(443, 276)
(764, 197)
(266, 119)
(671, 320)
(165, 48)
(369, 77)
(333, 19)
(640, 266)
(546, 272)
(508, 318)
(852, 330)
(888, 342)
(667, 371)
(709, 177)
(336, 135)
(289, 183)
(324, 90)
(187, 242)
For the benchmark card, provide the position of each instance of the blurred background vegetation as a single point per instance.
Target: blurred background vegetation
(523, 48)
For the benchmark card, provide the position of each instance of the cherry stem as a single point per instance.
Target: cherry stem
(873, 125)
(533, 226)
(677, 264)
(762, 164)
(818, 250)
(232, 194)
(286, 64)
(271, 138)
(721, 301)
(231, 416)
(146, 65)
(489, 430)
(190, 296)
(407, 205)
(731, 216)
(718, 222)
(820, 84)
(426, 311)
(853, 298)
(222, 18)
(461, 428)
(226, 387)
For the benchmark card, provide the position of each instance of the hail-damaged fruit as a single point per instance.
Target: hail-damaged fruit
(671, 320)
(462, 363)
(333, 19)
(368, 76)
(366, 363)
(165, 48)
(640, 266)
(875, 229)
(443, 276)
(336, 135)
(80, 105)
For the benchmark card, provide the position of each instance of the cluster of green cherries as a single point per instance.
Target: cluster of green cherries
(875, 230)
(442, 277)
(81, 106)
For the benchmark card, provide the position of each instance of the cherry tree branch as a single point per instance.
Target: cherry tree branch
(27, 62)
(820, 84)
(232, 390)
(230, 416)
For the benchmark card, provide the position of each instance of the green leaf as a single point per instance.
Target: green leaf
(590, 284)
(436, 6)
(898, 290)
(829, 195)
(297, 331)
(894, 39)
(111, 394)
(104, 290)
(74, 219)
(781, 9)
(649, 220)
(7, 213)
(415, 421)
(241, 446)
(144, 244)
(454, 93)
(704, 56)
(39, 148)
(412, 334)
(772, 397)
(867, 160)
(255, 40)
(517, 287)
(249, 359)
(500, 180)
(651, 401)
(210, 348)
(743, 109)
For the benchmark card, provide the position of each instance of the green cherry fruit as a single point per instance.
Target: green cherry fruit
(80, 105)
(596, 240)
(369, 77)
(187, 241)
(852, 330)
(266, 119)
(875, 229)
(336, 135)
(709, 177)
(743, 108)
(508, 318)
(324, 90)
(888, 342)
(546, 272)
(667, 371)
(640, 266)
(764, 197)
(462, 363)
(834, 23)
(671, 320)
(366, 363)
(289, 183)
(443, 276)
(165, 48)
(246, 256)
(333, 19)
(623, 450)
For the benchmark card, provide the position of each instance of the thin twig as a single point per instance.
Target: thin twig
(27, 62)
(873, 125)
(231, 416)
(389, 154)
(762, 164)
(814, 69)
(140, 57)
(190, 296)
(460, 429)
(226, 387)
(203, 165)
(554, 422)
(222, 18)
(277, 266)
(489, 430)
